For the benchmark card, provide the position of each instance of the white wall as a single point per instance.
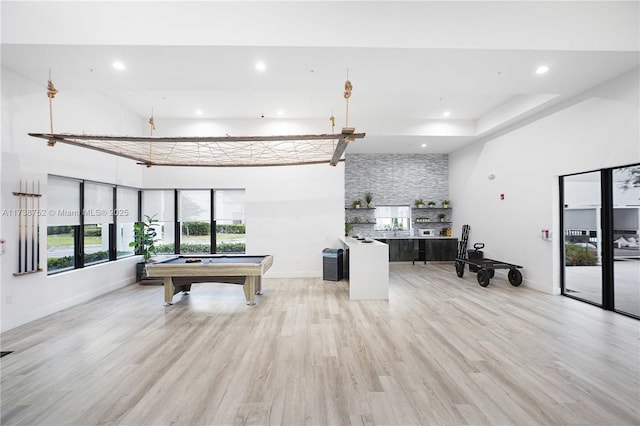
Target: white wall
(291, 212)
(25, 108)
(598, 129)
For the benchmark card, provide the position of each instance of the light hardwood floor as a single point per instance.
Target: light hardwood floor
(441, 351)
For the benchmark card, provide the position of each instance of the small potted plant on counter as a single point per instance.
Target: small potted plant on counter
(445, 204)
(419, 203)
(357, 203)
(347, 229)
(368, 197)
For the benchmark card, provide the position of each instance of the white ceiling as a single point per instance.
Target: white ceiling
(408, 62)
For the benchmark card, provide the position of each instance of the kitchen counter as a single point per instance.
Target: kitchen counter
(368, 269)
(354, 241)
(417, 238)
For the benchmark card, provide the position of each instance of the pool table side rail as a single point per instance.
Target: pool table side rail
(209, 269)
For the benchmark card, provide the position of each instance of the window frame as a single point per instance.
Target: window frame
(79, 255)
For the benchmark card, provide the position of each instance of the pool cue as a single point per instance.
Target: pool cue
(33, 226)
(26, 227)
(20, 228)
(38, 231)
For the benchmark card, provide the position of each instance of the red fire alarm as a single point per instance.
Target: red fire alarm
(502, 196)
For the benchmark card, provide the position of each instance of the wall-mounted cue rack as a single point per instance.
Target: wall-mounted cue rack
(28, 228)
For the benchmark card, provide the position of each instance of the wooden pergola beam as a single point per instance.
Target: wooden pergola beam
(346, 136)
(65, 137)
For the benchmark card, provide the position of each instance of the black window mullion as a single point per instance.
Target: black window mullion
(176, 233)
(561, 240)
(212, 219)
(606, 220)
(138, 250)
(113, 255)
(79, 252)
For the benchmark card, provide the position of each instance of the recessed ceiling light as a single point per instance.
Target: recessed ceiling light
(118, 65)
(446, 114)
(261, 66)
(542, 69)
(424, 145)
(199, 112)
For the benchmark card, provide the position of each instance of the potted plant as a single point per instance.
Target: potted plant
(144, 235)
(445, 204)
(368, 197)
(419, 203)
(357, 203)
(441, 216)
(431, 203)
(347, 229)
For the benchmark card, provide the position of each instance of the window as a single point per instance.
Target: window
(160, 204)
(126, 217)
(601, 226)
(98, 215)
(91, 222)
(88, 222)
(626, 239)
(582, 236)
(229, 220)
(393, 218)
(195, 221)
(63, 221)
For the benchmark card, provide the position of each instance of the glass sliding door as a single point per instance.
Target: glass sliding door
(626, 246)
(582, 237)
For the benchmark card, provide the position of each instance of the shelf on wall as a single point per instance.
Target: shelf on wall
(432, 221)
(430, 208)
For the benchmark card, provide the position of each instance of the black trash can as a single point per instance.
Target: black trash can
(475, 255)
(332, 269)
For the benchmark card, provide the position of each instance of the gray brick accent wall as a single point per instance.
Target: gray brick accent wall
(396, 179)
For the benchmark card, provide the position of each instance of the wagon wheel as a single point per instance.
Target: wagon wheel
(483, 277)
(460, 268)
(491, 272)
(515, 277)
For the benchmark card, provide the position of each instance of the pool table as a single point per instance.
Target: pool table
(181, 271)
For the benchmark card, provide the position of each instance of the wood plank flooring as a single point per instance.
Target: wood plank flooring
(441, 351)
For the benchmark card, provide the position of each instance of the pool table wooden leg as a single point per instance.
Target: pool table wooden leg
(168, 291)
(249, 288)
(258, 279)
